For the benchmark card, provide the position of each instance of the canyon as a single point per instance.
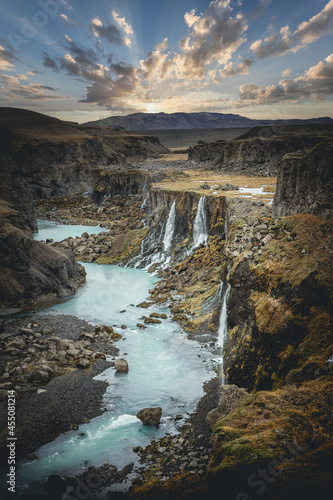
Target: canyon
(241, 229)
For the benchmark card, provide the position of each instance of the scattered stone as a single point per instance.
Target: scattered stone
(158, 315)
(121, 365)
(150, 416)
(84, 363)
(151, 320)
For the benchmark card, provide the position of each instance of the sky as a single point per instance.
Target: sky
(84, 60)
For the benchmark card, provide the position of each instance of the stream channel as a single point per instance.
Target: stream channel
(166, 369)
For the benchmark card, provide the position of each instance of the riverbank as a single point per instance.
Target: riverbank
(53, 395)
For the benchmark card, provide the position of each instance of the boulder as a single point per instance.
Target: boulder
(84, 363)
(103, 329)
(231, 397)
(121, 365)
(158, 315)
(151, 320)
(150, 416)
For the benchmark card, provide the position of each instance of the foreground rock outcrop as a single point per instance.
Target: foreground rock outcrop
(32, 272)
(305, 183)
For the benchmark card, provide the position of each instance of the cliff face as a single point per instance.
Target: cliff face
(259, 151)
(31, 272)
(16, 190)
(305, 183)
(43, 157)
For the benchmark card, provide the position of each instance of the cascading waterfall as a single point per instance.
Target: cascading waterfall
(169, 228)
(223, 329)
(200, 231)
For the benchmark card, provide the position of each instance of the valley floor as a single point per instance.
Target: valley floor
(277, 416)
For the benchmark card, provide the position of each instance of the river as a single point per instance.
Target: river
(165, 369)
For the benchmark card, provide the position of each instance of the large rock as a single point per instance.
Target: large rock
(121, 365)
(150, 416)
(231, 397)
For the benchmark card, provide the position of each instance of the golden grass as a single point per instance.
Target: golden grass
(192, 180)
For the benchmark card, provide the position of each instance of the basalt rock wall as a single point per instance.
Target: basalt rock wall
(305, 183)
(160, 202)
(32, 272)
(256, 155)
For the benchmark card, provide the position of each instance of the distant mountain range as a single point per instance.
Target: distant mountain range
(164, 121)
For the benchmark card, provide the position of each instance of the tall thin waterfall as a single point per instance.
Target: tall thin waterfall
(200, 231)
(169, 228)
(223, 329)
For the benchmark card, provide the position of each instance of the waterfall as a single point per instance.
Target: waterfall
(146, 185)
(169, 228)
(200, 231)
(223, 329)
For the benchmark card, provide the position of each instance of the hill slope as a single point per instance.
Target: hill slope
(164, 121)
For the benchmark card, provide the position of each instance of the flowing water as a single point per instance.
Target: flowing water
(223, 329)
(165, 369)
(200, 231)
(58, 232)
(170, 228)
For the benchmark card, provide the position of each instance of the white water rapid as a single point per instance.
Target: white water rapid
(223, 329)
(169, 228)
(200, 231)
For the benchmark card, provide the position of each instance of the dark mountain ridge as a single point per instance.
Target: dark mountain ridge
(165, 121)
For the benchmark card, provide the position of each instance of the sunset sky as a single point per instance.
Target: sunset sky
(88, 59)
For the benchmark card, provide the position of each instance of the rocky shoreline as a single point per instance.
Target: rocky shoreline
(53, 371)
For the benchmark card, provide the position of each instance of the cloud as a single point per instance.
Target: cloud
(157, 65)
(316, 84)
(242, 68)
(65, 4)
(48, 62)
(213, 37)
(262, 6)
(68, 20)
(109, 32)
(286, 72)
(307, 32)
(127, 28)
(22, 77)
(107, 85)
(12, 88)
(7, 59)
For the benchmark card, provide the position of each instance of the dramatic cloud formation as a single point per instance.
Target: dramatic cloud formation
(127, 28)
(212, 38)
(315, 84)
(109, 32)
(108, 85)
(307, 32)
(12, 88)
(210, 59)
